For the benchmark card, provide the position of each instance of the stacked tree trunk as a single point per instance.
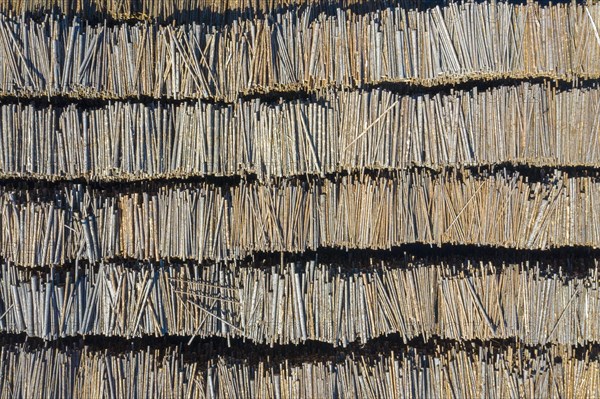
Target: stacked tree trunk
(299, 301)
(329, 132)
(439, 371)
(284, 198)
(296, 51)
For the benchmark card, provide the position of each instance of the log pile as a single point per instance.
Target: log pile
(464, 370)
(208, 221)
(300, 301)
(285, 198)
(529, 124)
(290, 51)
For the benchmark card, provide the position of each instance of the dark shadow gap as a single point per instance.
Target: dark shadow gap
(206, 349)
(530, 173)
(277, 96)
(211, 16)
(568, 262)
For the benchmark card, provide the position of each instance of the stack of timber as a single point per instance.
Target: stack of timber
(291, 51)
(286, 198)
(537, 302)
(329, 132)
(209, 221)
(439, 370)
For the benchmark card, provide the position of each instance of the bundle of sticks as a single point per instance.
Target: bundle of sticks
(375, 129)
(462, 370)
(200, 221)
(293, 302)
(180, 182)
(294, 52)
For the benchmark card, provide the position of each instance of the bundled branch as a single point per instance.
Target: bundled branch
(455, 371)
(197, 221)
(294, 302)
(293, 51)
(374, 129)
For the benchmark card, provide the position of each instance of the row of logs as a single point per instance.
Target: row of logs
(294, 52)
(374, 129)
